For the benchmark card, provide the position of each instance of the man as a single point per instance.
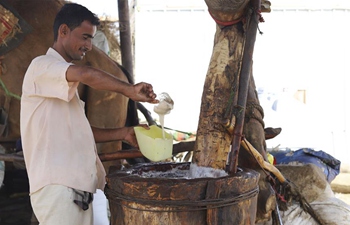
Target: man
(58, 141)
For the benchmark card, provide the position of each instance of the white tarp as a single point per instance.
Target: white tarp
(330, 209)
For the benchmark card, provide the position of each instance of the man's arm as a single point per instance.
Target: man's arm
(126, 134)
(100, 80)
(109, 134)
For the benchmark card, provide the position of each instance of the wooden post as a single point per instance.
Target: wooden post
(220, 91)
(244, 80)
(125, 35)
(221, 106)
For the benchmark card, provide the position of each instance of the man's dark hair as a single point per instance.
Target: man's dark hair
(73, 15)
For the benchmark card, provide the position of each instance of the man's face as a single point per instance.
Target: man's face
(79, 41)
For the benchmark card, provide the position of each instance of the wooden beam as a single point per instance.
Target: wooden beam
(122, 154)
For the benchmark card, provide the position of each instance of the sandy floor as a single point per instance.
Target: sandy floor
(344, 197)
(342, 181)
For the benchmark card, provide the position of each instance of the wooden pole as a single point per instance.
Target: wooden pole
(135, 153)
(125, 36)
(244, 84)
(122, 154)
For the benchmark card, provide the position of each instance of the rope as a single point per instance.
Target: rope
(222, 23)
(7, 92)
(180, 205)
(229, 108)
(2, 84)
(250, 112)
(304, 204)
(179, 131)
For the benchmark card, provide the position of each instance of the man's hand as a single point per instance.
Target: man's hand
(143, 92)
(130, 136)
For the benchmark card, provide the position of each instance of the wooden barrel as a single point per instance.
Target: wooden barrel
(169, 199)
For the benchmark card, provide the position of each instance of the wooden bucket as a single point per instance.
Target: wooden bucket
(172, 200)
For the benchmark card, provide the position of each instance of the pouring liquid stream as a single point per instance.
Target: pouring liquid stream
(161, 120)
(164, 107)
